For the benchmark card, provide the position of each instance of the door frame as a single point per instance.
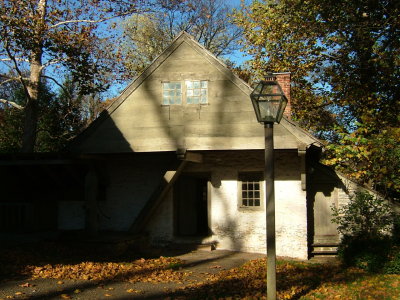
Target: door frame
(199, 175)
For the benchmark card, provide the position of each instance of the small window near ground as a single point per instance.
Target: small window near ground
(196, 92)
(250, 186)
(172, 93)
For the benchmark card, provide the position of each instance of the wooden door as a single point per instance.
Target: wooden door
(325, 196)
(191, 206)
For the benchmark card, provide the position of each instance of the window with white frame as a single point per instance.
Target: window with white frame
(196, 91)
(250, 190)
(172, 93)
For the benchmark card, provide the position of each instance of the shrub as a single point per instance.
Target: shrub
(367, 254)
(393, 264)
(366, 224)
(364, 216)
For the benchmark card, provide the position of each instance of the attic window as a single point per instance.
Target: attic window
(172, 93)
(196, 92)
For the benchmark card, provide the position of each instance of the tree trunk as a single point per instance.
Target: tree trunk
(33, 87)
(32, 107)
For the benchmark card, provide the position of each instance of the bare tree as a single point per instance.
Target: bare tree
(146, 35)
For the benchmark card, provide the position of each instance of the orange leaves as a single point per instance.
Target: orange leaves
(151, 270)
(294, 280)
(26, 284)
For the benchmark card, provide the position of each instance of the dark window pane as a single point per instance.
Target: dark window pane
(257, 202)
(250, 202)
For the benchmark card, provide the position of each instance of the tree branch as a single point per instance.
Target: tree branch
(89, 21)
(6, 81)
(59, 84)
(16, 58)
(10, 78)
(52, 62)
(21, 78)
(12, 103)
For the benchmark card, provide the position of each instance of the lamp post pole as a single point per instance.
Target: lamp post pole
(270, 210)
(269, 104)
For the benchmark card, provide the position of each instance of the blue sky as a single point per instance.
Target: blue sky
(238, 57)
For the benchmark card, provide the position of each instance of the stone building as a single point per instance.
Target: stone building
(179, 156)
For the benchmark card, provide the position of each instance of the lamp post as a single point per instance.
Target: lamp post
(269, 103)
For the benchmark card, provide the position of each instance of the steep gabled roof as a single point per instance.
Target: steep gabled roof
(182, 37)
(303, 136)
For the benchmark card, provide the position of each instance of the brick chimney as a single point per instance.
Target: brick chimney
(284, 81)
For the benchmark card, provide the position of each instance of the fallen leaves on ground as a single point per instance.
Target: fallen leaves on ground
(26, 284)
(64, 261)
(295, 280)
(142, 270)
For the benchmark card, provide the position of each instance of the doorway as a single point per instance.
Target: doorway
(324, 196)
(191, 205)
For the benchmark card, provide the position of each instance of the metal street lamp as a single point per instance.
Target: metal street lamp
(269, 103)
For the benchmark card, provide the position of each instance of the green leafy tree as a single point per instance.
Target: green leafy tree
(44, 38)
(61, 117)
(145, 36)
(344, 57)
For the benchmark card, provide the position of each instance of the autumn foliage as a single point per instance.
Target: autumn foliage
(344, 61)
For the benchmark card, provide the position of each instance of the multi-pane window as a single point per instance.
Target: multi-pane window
(196, 92)
(172, 93)
(250, 189)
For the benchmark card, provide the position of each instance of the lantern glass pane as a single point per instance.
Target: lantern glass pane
(258, 89)
(269, 101)
(269, 89)
(268, 110)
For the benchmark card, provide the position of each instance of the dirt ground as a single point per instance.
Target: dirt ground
(199, 264)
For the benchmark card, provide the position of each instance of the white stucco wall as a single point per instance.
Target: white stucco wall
(291, 219)
(245, 230)
(131, 183)
(238, 229)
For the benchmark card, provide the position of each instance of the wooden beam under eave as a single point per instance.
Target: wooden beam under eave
(193, 157)
(36, 162)
(156, 198)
